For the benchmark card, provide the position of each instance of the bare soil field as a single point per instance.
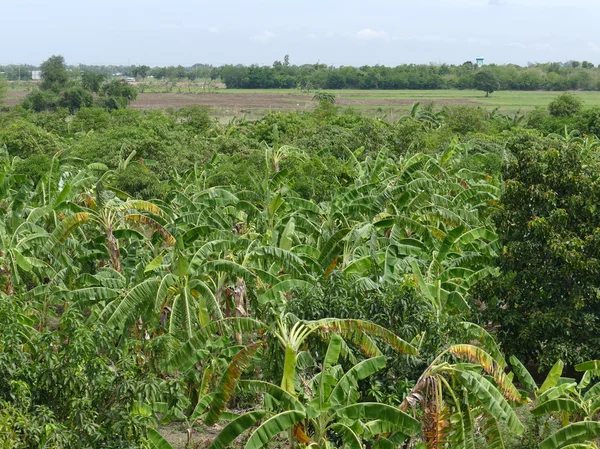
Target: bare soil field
(14, 97)
(227, 103)
(251, 100)
(259, 100)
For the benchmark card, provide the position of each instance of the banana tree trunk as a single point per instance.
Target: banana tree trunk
(289, 370)
(113, 249)
(239, 293)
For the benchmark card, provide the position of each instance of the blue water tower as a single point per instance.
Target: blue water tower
(479, 61)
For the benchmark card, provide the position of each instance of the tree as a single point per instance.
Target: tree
(565, 105)
(76, 98)
(92, 81)
(486, 81)
(545, 301)
(54, 74)
(141, 71)
(587, 65)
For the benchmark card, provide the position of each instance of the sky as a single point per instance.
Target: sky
(341, 32)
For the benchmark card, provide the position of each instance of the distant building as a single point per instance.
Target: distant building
(36, 75)
(479, 61)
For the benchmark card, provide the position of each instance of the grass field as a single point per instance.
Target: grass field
(253, 103)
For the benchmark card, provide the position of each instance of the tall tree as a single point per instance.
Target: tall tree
(54, 74)
(487, 82)
(545, 302)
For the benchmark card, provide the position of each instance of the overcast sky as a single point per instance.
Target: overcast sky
(337, 32)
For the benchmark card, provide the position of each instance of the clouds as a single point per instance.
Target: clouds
(369, 34)
(378, 31)
(594, 47)
(264, 37)
(530, 46)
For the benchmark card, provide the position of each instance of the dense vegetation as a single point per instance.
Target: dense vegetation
(554, 76)
(318, 278)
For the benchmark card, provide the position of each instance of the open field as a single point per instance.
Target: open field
(230, 102)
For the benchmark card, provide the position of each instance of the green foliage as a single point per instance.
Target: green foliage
(41, 100)
(92, 81)
(34, 167)
(139, 182)
(116, 95)
(75, 98)
(3, 89)
(196, 117)
(546, 301)
(320, 269)
(565, 105)
(486, 81)
(54, 74)
(21, 138)
(466, 119)
(87, 119)
(62, 389)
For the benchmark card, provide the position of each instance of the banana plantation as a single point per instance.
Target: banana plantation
(319, 279)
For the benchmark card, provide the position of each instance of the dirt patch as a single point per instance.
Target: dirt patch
(235, 103)
(14, 97)
(149, 100)
(177, 435)
(264, 101)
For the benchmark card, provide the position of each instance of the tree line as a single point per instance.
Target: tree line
(540, 76)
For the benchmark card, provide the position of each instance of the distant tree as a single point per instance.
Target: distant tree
(554, 67)
(76, 98)
(54, 74)
(41, 100)
(286, 60)
(486, 81)
(574, 64)
(116, 95)
(141, 71)
(3, 89)
(587, 65)
(92, 81)
(566, 105)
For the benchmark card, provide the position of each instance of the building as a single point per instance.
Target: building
(36, 75)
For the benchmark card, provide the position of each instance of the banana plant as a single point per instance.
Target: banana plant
(327, 406)
(464, 384)
(576, 403)
(108, 214)
(291, 335)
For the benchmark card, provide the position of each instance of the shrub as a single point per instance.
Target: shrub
(466, 119)
(39, 100)
(87, 119)
(139, 182)
(34, 167)
(24, 139)
(565, 105)
(197, 117)
(75, 98)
